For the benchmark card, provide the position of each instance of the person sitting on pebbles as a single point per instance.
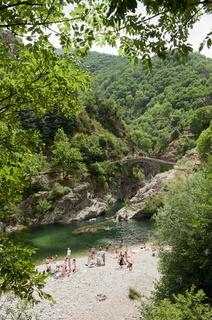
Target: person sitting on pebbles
(89, 255)
(99, 261)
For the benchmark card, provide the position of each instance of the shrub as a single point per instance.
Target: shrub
(152, 204)
(43, 207)
(40, 184)
(204, 142)
(134, 295)
(190, 306)
(58, 192)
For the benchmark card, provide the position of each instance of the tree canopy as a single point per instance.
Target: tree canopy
(137, 28)
(163, 26)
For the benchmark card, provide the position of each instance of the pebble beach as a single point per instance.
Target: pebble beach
(100, 292)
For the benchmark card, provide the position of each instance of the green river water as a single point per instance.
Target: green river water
(56, 238)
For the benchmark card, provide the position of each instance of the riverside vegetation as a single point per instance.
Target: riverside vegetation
(49, 124)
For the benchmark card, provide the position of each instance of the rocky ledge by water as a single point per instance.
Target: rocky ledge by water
(76, 205)
(79, 204)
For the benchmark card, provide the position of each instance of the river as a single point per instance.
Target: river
(54, 239)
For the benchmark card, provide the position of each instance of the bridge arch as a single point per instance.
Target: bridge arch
(149, 166)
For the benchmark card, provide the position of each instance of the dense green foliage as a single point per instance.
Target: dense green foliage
(48, 123)
(18, 273)
(200, 119)
(98, 133)
(184, 87)
(156, 107)
(185, 224)
(33, 78)
(140, 28)
(204, 142)
(191, 306)
(65, 158)
(29, 81)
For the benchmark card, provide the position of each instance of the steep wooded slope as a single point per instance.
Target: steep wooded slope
(157, 107)
(184, 86)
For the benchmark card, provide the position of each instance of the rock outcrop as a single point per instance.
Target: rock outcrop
(75, 206)
(81, 204)
(97, 208)
(151, 189)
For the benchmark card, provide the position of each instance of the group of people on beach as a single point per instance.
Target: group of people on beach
(94, 258)
(99, 257)
(61, 269)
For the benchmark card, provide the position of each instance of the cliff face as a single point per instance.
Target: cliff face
(10, 40)
(152, 189)
(86, 201)
(66, 209)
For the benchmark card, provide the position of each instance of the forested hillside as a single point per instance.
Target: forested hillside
(78, 142)
(129, 110)
(157, 107)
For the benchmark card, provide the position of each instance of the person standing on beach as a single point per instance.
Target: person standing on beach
(120, 243)
(69, 253)
(89, 254)
(103, 259)
(112, 247)
(69, 258)
(93, 252)
(126, 256)
(74, 265)
(121, 261)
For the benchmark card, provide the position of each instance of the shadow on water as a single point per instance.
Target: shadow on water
(56, 238)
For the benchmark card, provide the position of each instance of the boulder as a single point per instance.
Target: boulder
(93, 211)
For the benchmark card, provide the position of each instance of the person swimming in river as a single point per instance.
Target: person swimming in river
(120, 243)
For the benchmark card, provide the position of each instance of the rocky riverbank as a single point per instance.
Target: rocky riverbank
(100, 292)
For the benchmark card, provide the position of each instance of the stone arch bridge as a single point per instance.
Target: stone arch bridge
(150, 166)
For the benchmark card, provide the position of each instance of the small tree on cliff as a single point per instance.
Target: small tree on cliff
(64, 157)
